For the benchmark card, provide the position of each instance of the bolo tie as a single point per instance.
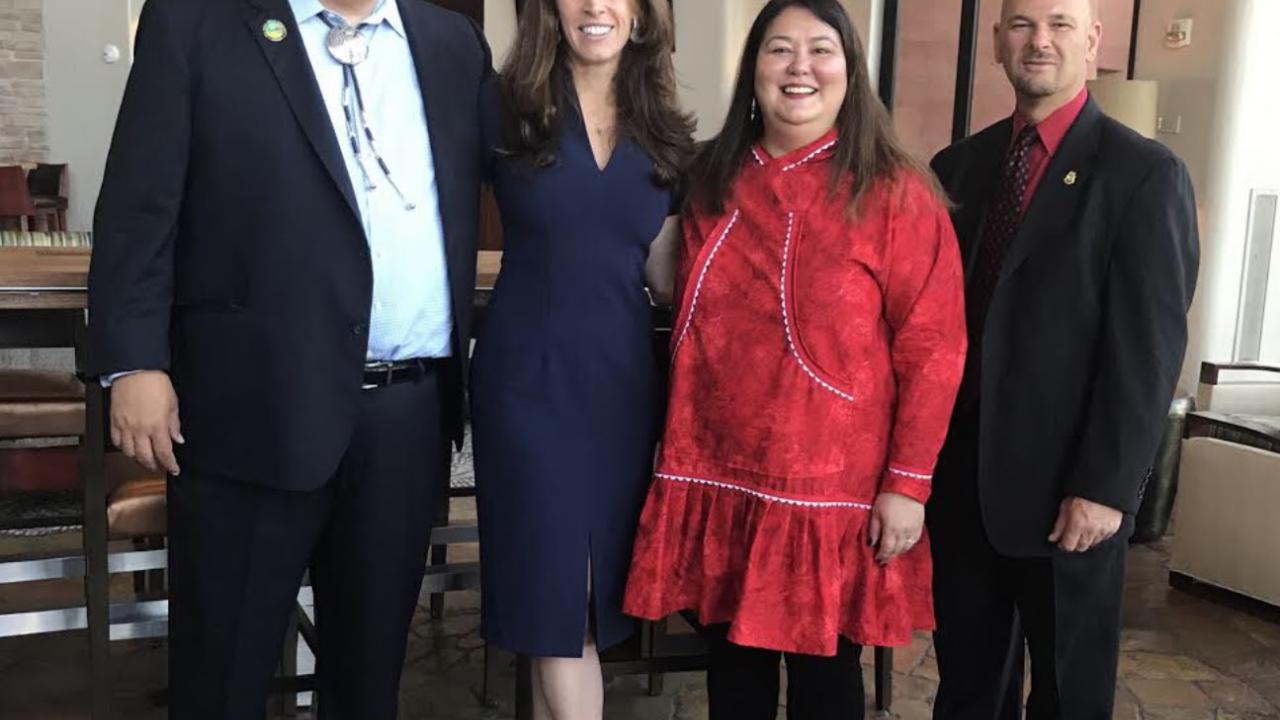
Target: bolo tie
(350, 47)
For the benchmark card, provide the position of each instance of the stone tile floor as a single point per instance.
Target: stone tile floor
(1184, 657)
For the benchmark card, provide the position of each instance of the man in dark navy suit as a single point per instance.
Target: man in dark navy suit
(1081, 252)
(280, 297)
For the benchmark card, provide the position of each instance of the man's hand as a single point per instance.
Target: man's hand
(1083, 524)
(896, 524)
(144, 419)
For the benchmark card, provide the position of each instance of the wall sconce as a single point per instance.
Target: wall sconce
(1179, 34)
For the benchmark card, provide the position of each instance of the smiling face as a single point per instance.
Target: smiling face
(1046, 46)
(801, 79)
(597, 31)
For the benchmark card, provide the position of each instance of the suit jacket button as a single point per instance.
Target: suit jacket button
(357, 329)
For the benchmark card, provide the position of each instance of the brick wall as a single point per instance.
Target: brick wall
(23, 137)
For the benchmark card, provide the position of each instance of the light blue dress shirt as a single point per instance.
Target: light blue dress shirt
(412, 314)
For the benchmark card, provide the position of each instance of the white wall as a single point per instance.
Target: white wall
(1188, 76)
(1246, 155)
(83, 91)
(709, 40)
(1188, 80)
(1222, 89)
(499, 27)
(868, 17)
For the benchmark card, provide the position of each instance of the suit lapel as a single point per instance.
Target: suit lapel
(288, 60)
(1059, 191)
(976, 189)
(431, 59)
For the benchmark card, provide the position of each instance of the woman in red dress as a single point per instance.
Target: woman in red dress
(818, 345)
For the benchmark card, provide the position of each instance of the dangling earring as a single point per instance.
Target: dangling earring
(635, 31)
(753, 109)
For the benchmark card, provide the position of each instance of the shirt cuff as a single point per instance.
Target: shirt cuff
(107, 380)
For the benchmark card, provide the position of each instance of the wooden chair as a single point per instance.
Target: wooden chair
(50, 187)
(17, 210)
(122, 514)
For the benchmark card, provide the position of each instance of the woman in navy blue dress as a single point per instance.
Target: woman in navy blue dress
(587, 148)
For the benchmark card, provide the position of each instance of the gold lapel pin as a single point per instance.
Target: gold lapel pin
(1070, 179)
(275, 31)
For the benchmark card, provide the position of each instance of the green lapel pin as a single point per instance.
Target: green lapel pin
(275, 31)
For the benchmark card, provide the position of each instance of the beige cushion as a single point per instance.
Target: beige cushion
(1225, 532)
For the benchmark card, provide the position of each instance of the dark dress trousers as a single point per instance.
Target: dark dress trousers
(1082, 346)
(229, 251)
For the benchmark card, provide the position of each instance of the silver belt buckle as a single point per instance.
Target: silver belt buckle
(377, 367)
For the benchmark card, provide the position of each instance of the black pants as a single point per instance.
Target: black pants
(238, 553)
(1065, 608)
(742, 682)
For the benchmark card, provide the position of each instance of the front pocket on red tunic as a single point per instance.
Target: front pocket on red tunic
(795, 341)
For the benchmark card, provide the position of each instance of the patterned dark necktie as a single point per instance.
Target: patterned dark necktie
(1004, 215)
(1000, 226)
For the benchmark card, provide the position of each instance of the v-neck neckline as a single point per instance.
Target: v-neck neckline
(595, 159)
(586, 133)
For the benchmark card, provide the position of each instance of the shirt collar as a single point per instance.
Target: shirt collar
(386, 11)
(820, 149)
(1054, 128)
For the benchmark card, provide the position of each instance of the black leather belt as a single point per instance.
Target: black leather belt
(381, 374)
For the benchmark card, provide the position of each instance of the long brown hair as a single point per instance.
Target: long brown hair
(537, 89)
(867, 150)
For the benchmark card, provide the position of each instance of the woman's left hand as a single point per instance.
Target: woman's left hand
(660, 268)
(896, 524)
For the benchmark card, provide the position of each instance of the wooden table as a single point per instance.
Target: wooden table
(57, 277)
(43, 293)
(43, 278)
(42, 296)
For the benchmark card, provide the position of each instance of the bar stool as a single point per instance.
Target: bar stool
(130, 501)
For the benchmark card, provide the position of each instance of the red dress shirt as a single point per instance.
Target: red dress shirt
(1051, 131)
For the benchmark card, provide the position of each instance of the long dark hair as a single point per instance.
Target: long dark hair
(867, 150)
(537, 87)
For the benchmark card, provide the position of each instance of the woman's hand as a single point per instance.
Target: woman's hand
(896, 524)
(660, 268)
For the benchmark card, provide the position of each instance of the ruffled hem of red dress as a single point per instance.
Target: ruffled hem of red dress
(784, 576)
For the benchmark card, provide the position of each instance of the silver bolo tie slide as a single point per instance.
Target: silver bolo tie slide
(349, 47)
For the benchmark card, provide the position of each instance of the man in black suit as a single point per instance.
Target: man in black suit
(1081, 252)
(282, 306)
